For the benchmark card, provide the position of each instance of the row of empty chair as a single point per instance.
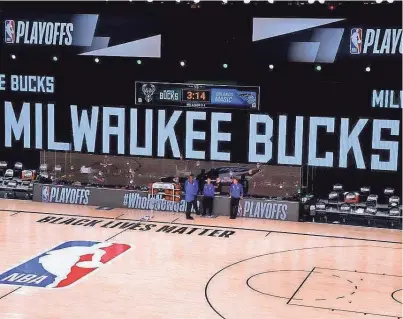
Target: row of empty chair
(344, 205)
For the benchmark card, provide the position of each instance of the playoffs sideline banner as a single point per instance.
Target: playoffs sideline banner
(115, 198)
(118, 198)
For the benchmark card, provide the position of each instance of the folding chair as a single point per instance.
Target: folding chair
(370, 213)
(321, 211)
(334, 199)
(344, 212)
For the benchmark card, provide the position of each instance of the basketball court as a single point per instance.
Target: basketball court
(169, 267)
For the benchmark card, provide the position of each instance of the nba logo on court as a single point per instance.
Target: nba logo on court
(63, 265)
(45, 193)
(356, 41)
(9, 31)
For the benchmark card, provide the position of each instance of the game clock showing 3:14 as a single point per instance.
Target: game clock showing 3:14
(195, 95)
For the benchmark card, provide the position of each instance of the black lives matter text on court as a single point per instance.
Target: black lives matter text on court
(137, 226)
(201, 135)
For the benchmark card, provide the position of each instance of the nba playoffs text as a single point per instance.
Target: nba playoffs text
(137, 226)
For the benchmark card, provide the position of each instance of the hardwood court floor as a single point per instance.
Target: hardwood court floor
(206, 268)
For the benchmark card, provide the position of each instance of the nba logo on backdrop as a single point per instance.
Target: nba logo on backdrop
(45, 194)
(63, 265)
(356, 41)
(9, 31)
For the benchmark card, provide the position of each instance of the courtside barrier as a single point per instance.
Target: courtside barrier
(121, 198)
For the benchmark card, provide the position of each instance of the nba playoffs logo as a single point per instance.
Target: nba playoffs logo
(45, 193)
(9, 31)
(356, 41)
(63, 265)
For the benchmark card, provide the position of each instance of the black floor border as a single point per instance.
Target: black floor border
(215, 226)
(343, 310)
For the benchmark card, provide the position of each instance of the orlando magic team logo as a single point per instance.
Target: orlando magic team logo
(356, 41)
(249, 98)
(9, 31)
(63, 265)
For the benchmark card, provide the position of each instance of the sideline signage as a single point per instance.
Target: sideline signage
(120, 198)
(269, 209)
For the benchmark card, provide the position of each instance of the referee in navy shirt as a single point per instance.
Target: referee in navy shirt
(236, 193)
(208, 198)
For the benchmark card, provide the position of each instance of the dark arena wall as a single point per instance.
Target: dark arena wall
(340, 124)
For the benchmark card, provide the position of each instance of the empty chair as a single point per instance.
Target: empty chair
(334, 198)
(57, 172)
(12, 184)
(3, 167)
(388, 192)
(394, 213)
(364, 192)
(18, 166)
(370, 213)
(372, 200)
(338, 188)
(344, 211)
(321, 211)
(25, 183)
(44, 175)
(9, 174)
(394, 201)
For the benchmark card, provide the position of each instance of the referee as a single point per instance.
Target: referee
(208, 198)
(191, 190)
(236, 193)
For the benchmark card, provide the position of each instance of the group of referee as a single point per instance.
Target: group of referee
(209, 190)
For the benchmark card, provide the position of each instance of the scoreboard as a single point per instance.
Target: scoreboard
(197, 95)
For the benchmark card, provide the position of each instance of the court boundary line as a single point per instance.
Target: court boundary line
(215, 226)
(343, 310)
(9, 293)
(116, 234)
